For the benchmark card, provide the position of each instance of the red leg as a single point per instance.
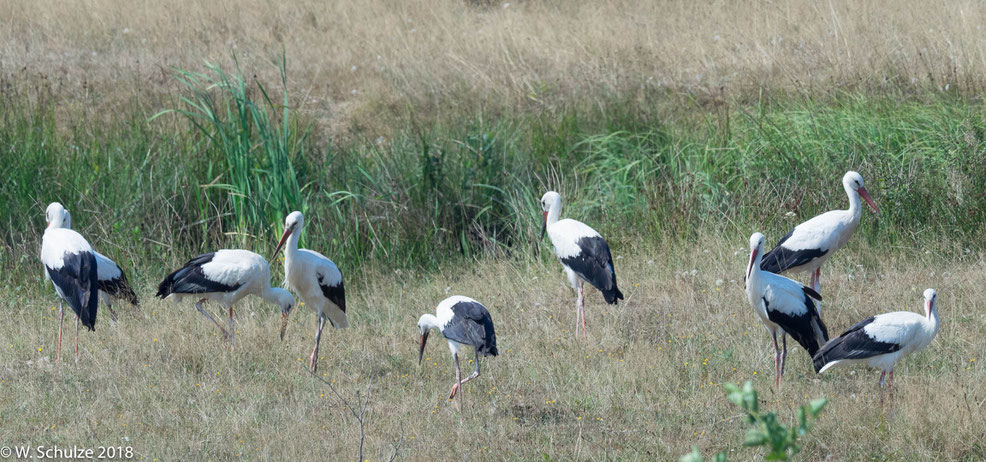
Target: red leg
(783, 353)
(77, 340)
(817, 285)
(313, 362)
(777, 365)
(232, 331)
(582, 310)
(61, 318)
(207, 315)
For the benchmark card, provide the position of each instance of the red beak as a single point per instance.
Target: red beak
(421, 352)
(753, 256)
(284, 238)
(866, 197)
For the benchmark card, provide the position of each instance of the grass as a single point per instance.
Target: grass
(417, 140)
(644, 386)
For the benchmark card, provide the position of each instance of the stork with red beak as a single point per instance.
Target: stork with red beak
(882, 340)
(810, 244)
(583, 253)
(315, 278)
(462, 321)
(785, 306)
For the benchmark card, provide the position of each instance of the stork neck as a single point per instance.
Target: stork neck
(274, 295)
(855, 205)
(554, 213)
(291, 246)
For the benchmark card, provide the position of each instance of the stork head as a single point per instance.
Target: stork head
(285, 301)
(756, 250)
(853, 181)
(930, 302)
(55, 215)
(426, 323)
(292, 224)
(550, 204)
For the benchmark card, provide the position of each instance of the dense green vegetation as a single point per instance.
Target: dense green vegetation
(233, 158)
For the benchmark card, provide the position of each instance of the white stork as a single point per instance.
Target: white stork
(70, 264)
(582, 252)
(462, 321)
(785, 306)
(809, 244)
(224, 277)
(113, 284)
(315, 278)
(882, 340)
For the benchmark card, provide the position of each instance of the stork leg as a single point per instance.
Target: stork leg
(232, 331)
(458, 380)
(585, 333)
(313, 363)
(783, 352)
(61, 317)
(109, 306)
(77, 340)
(777, 364)
(816, 280)
(462, 381)
(206, 313)
(578, 308)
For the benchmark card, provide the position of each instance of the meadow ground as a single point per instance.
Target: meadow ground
(416, 137)
(644, 386)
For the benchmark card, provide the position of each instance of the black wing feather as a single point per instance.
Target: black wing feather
(119, 288)
(336, 294)
(854, 343)
(595, 265)
(472, 325)
(781, 259)
(190, 279)
(77, 281)
(807, 329)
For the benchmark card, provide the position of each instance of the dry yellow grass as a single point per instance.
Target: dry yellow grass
(645, 386)
(354, 61)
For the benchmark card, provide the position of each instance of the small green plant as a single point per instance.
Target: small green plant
(765, 430)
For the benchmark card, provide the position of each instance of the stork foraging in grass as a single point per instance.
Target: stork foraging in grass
(582, 252)
(70, 263)
(462, 321)
(113, 284)
(224, 277)
(813, 242)
(315, 278)
(882, 340)
(785, 306)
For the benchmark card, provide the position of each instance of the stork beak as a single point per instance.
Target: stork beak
(284, 237)
(421, 352)
(284, 322)
(753, 256)
(544, 225)
(866, 197)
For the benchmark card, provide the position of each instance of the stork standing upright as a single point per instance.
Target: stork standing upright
(785, 306)
(225, 277)
(315, 278)
(462, 321)
(582, 252)
(113, 284)
(70, 264)
(882, 340)
(813, 242)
